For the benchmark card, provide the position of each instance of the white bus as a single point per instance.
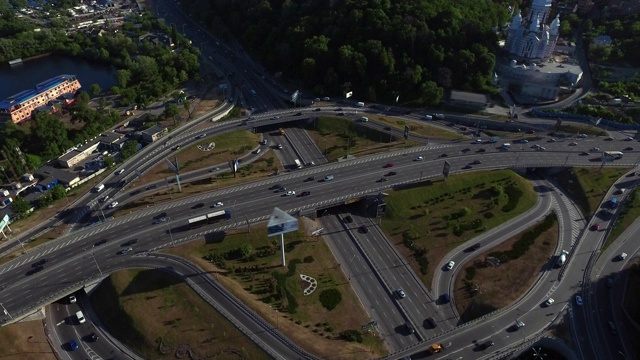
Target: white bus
(612, 155)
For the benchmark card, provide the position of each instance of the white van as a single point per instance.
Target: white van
(364, 119)
(428, 117)
(359, 104)
(80, 317)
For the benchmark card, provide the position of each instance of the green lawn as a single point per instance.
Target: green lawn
(629, 213)
(427, 221)
(418, 127)
(587, 186)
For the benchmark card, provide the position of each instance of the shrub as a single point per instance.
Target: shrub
(308, 259)
(522, 245)
(514, 194)
(471, 273)
(330, 298)
(351, 335)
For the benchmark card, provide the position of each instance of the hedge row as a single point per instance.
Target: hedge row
(526, 240)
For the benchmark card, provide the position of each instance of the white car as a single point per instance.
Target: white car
(113, 204)
(478, 141)
(594, 149)
(120, 171)
(419, 158)
(573, 144)
(104, 198)
(549, 302)
(72, 299)
(126, 250)
(290, 193)
(218, 204)
(583, 136)
(450, 265)
(629, 138)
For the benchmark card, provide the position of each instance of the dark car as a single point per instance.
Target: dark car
(40, 262)
(73, 345)
(629, 148)
(382, 180)
(474, 247)
(305, 193)
(444, 155)
(431, 323)
(35, 270)
(130, 242)
(310, 178)
(481, 150)
(317, 109)
(92, 337)
(410, 330)
(100, 242)
(467, 166)
(477, 162)
(388, 165)
(198, 206)
(391, 173)
(363, 229)
(487, 344)
(466, 150)
(348, 219)
(387, 128)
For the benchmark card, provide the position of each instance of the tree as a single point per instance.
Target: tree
(58, 192)
(95, 89)
(109, 161)
(170, 110)
(129, 149)
(20, 206)
(246, 250)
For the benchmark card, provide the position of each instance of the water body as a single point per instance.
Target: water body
(30, 73)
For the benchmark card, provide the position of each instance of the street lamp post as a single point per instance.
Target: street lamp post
(96, 261)
(5, 174)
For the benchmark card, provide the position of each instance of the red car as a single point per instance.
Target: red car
(389, 165)
(596, 227)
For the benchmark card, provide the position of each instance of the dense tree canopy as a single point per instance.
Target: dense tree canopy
(377, 48)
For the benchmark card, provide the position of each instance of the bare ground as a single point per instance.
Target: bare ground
(25, 341)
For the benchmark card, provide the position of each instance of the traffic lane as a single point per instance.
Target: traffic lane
(381, 306)
(301, 142)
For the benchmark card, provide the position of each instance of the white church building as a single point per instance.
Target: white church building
(531, 38)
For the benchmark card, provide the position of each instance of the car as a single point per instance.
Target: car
(176, 148)
(594, 149)
(478, 141)
(160, 220)
(487, 344)
(72, 299)
(126, 250)
(305, 193)
(419, 158)
(628, 148)
(401, 294)
(535, 146)
(130, 242)
(92, 337)
(549, 302)
(218, 204)
(100, 242)
(541, 148)
(104, 198)
(477, 162)
(388, 165)
(382, 179)
(214, 169)
(391, 173)
(466, 150)
(326, 98)
(431, 322)
(279, 146)
(264, 142)
(201, 136)
(73, 345)
(467, 167)
(444, 155)
(519, 324)
(609, 138)
(40, 262)
(481, 150)
(450, 265)
(621, 191)
(310, 178)
(475, 247)
(622, 256)
(584, 153)
(409, 328)
(113, 204)
(610, 282)
(573, 143)
(290, 193)
(348, 219)
(552, 140)
(197, 206)
(120, 171)
(596, 227)
(363, 229)
(387, 128)
(629, 138)
(612, 328)
(578, 300)
(328, 178)
(311, 163)
(35, 270)
(531, 131)
(282, 189)
(317, 109)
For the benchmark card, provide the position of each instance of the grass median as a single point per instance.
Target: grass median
(430, 219)
(587, 186)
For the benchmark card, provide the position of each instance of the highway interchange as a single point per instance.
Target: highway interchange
(373, 267)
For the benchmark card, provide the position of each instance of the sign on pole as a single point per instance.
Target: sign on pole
(348, 94)
(172, 166)
(295, 96)
(4, 221)
(406, 132)
(281, 223)
(445, 169)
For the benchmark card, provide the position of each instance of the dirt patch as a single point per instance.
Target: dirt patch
(256, 281)
(494, 286)
(25, 341)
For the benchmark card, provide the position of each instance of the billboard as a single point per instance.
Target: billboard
(406, 132)
(281, 223)
(349, 94)
(295, 96)
(445, 169)
(4, 221)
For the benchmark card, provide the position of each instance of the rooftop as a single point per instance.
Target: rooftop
(31, 93)
(153, 130)
(468, 96)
